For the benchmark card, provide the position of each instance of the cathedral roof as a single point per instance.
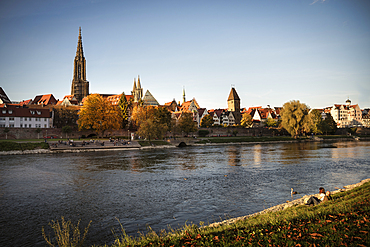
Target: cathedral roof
(149, 99)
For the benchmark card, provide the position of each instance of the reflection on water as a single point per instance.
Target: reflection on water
(164, 187)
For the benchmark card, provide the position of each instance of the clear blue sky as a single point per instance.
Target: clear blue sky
(272, 51)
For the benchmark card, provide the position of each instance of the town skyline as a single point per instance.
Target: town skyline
(313, 51)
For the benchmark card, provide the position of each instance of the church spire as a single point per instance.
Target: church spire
(79, 52)
(134, 87)
(138, 82)
(80, 86)
(183, 95)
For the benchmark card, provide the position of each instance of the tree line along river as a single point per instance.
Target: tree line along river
(161, 187)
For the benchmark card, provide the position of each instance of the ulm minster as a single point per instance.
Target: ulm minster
(133, 111)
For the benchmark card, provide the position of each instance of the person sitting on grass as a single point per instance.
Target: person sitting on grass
(322, 197)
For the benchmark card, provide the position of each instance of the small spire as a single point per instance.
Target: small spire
(138, 82)
(134, 88)
(183, 94)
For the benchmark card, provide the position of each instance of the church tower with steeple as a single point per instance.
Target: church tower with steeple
(137, 91)
(80, 86)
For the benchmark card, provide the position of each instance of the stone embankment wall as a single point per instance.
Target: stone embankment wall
(215, 131)
(31, 133)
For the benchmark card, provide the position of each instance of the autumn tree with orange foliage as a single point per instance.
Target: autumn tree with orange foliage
(151, 122)
(98, 114)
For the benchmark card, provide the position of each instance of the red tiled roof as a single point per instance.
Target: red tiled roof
(17, 111)
(114, 99)
(46, 99)
(25, 102)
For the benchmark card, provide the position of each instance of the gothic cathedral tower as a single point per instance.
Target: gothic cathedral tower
(80, 86)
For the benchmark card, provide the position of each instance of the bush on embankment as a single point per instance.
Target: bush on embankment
(15, 146)
(345, 220)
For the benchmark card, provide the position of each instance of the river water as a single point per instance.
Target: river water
(161, 187)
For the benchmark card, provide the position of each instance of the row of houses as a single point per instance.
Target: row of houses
(38, 112)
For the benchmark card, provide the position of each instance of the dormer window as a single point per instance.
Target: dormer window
(32, 112)
(4, 111)
(10, 112)
(38, 112)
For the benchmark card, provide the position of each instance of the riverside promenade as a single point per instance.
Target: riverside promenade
(96, 145)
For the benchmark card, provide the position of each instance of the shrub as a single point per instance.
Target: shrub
(66, 234)
(203, 133)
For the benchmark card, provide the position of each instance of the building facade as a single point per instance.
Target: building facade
(347, 115)
(15, 116)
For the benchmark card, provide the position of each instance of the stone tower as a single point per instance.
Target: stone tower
(80, 86)
(137, 91)
(233, 102)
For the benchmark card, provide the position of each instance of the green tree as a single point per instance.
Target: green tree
(66, 130)
(65, 115)
(163, 116)
(207, 121)
(186, 123)
(124, 109)
(38, 131)
(6, 130)
(329, 126)
(295, 118)
(246, 120)
(317, 122)
(270, 122)
(98, 114)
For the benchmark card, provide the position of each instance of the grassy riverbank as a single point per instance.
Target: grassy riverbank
(345, 220)
(32, 144)
(21, 146)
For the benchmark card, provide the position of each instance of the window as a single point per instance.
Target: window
(11, 125)
(11, 119)
(30, 126)
(29, 119)
(21, 125)
(2, 118)
(4, 111)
